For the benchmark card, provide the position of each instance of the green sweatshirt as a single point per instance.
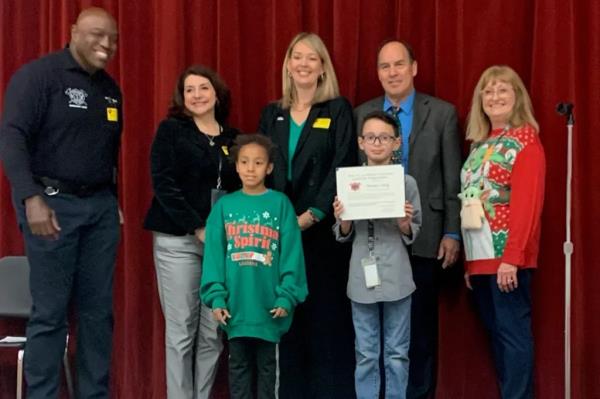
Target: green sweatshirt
(253, 262)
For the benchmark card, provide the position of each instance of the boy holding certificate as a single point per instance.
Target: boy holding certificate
(380, 278)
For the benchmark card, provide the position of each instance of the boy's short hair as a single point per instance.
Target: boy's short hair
(253, 138)
(384, 117)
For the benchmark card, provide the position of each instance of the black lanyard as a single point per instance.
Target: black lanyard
(370, 236)
(219, 175)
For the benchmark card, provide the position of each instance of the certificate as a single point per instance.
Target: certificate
(371, 192)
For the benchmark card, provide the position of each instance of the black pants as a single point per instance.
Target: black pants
(247, 357)
(77, 266)
(317, 354)
(423, 328)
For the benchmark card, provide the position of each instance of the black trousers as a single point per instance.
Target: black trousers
(249, 357)
(423, 328)
(77, 267)
(317, 354)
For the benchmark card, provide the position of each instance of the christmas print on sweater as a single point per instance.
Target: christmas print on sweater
(251, 241)
(253, 263)
(489, 168)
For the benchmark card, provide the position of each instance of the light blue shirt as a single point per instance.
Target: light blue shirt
(405, 115)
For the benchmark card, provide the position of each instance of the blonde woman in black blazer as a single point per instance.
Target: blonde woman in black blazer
(189, 157)
(313, 129)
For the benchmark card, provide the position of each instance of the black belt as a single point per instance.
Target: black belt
(53, 187)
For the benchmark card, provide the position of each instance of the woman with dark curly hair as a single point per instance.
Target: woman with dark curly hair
(190, 170)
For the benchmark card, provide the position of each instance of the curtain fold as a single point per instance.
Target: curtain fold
(553, 45)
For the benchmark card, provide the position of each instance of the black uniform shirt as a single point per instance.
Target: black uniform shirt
(60, 122)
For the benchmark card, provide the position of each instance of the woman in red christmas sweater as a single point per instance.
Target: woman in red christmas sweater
(502, 194)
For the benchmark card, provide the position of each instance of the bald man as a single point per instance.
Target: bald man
(59, 142)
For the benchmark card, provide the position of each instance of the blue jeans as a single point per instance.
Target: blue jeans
(507, 317)
(77, 266)
(396, 340)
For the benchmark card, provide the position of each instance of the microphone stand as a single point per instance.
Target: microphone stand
(566, 109)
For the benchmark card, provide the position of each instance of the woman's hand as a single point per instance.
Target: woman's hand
(305, 220)
(338, 209)
(507, 277)
(200, 234)
(404, 222)
(221, 315)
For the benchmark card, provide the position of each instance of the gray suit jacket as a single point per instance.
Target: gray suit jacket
(434, 160)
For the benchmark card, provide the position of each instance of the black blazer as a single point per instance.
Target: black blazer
(184, 170)
(327, 141)
(434, 160)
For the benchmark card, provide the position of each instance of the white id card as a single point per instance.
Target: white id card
(369, 265)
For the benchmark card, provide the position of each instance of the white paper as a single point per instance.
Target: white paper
(371, 192)
(13, 340)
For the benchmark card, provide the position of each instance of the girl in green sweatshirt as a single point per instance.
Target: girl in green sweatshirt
(253, 271)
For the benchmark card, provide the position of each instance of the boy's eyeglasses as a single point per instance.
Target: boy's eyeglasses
(383, 139)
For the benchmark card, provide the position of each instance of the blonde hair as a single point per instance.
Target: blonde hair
(478, 123)
(327, 84)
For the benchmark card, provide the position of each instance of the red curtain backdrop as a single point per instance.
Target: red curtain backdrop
(553, 44)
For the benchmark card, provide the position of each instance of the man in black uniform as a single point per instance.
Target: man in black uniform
(59, 142)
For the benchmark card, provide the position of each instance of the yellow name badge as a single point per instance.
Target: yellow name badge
(225, 150)
(322, 123)
(112, 114)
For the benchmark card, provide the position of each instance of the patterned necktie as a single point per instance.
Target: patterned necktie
(397, 155)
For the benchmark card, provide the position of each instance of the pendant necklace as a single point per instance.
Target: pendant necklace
(211, 139)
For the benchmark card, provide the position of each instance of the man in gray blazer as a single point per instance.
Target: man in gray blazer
(431, 153)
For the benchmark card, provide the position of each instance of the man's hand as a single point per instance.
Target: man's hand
(221, 315)
(41, 218)
(279, 312)
(468, 281)
(449, 248)
(121, 217)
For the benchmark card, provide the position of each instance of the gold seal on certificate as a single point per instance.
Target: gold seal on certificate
(371, 192)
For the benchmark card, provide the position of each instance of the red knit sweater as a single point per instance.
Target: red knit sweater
(513, 196)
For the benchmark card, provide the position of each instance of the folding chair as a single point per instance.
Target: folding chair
(15, 302)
